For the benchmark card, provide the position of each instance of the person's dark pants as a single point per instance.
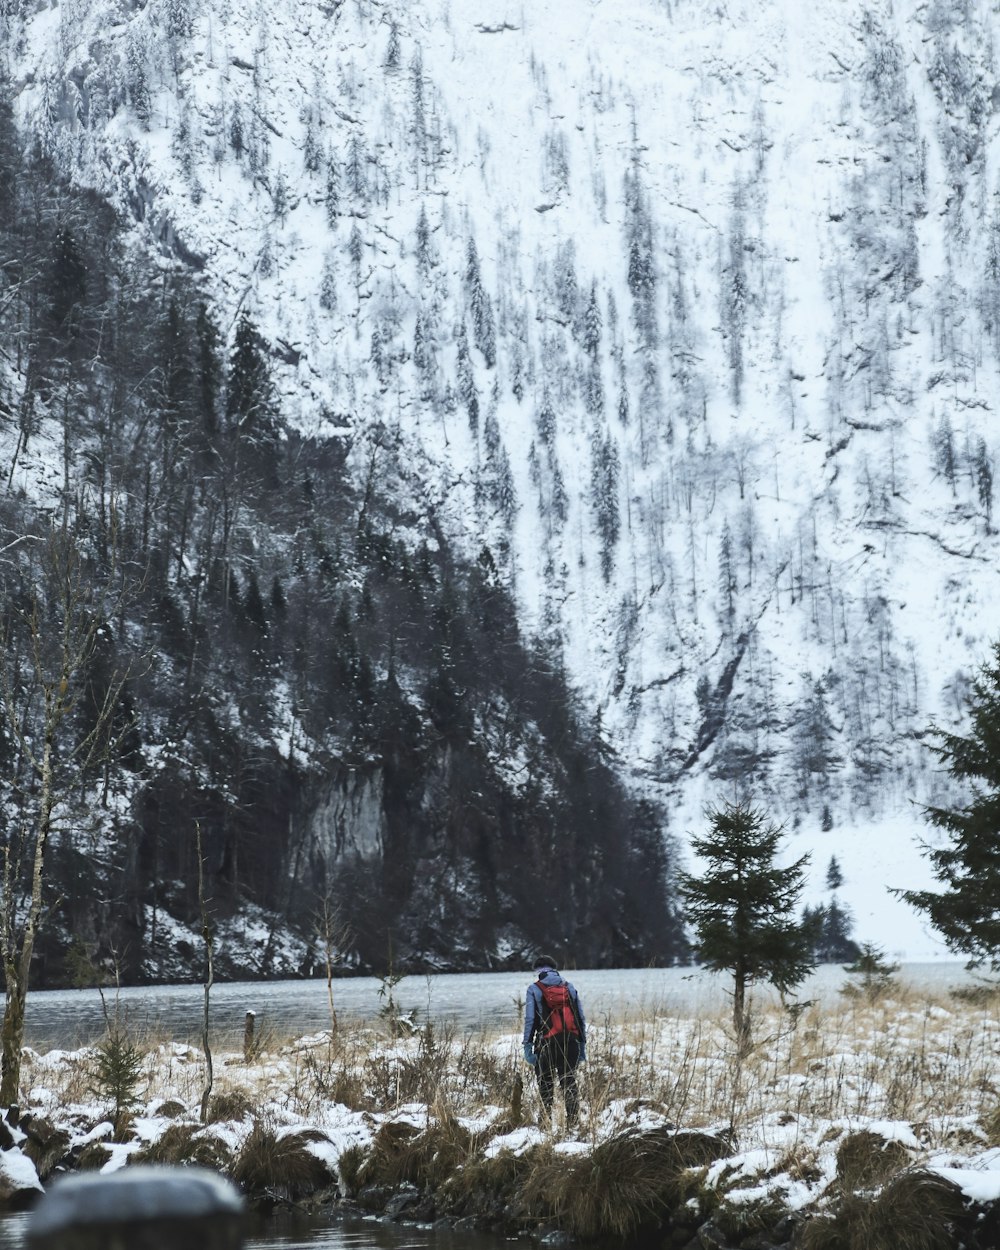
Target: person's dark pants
(558, 1057)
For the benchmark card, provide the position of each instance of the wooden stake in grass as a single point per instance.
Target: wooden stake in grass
(249, 1045)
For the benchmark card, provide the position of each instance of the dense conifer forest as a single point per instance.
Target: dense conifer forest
(305, 674)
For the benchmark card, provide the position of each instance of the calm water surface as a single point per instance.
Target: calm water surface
(464, 1001)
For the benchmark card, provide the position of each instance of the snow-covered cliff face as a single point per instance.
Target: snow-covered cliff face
(689, 312)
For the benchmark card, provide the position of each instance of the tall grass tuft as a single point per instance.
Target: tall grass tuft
(626, 1183)
(187, 1144)
(866, 1159)
(916, 1210)
(230, 1104)
(280, 1167)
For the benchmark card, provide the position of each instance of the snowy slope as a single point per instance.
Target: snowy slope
(735, 449)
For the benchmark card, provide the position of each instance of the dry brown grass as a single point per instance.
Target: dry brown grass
(866, 1160)
(230, 1104)
(280, 1166)
(916, 1210)
(493, 1187)
(928, 1062)
(625, 1183)
(423, 1157)
(187, 1144)
(906, 1057)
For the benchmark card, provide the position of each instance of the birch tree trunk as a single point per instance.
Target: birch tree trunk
(48, 646)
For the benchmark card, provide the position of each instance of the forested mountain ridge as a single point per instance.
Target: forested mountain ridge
(678, 324)
(236, 655)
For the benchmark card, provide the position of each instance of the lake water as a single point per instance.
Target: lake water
(464, 1001)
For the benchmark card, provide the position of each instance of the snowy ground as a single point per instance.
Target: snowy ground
(908, 1069)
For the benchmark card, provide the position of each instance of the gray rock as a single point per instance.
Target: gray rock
(142, 1208)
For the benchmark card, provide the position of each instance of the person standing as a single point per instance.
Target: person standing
(555, 1036)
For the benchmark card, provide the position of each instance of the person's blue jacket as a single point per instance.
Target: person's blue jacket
(534, 1008)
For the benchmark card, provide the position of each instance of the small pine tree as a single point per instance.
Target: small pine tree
(875, 976)
(253, 605)
(392, 52)
(481, 308)
(208, 371)
(237, 137)
(117, 1074)
(982, 472)
(424, 257)
(332, 190)
(743, 906)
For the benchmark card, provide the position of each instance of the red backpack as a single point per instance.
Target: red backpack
(559, 1014)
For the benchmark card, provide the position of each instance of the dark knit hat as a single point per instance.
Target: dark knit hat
(545, 961)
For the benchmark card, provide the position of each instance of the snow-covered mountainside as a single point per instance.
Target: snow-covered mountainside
(688, 312)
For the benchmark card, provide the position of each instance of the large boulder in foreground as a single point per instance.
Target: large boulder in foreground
(140, 1208)
(19, 1183)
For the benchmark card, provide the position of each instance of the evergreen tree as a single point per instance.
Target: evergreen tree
(831, 926)
(982, 473)
(545, 419)
(9, 156)
(484, 330)
(392, 52)
(592, 325)
(250, 404)
(332, 190)
(424, 257)
(728, 586)
(743, 905)
(355, 249)
(328, 283)
(180, 19)
(208, 372)
(247, 372)
(312, 154)
(175, 366)
(945, 455)
(237, 137)
(815, 757)
(875, 975)
(137, 75)
(279, 601)
(355, 172)
(604, 474)
(253, 605)
(68, 283)
(467, 379)
(967, 865)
